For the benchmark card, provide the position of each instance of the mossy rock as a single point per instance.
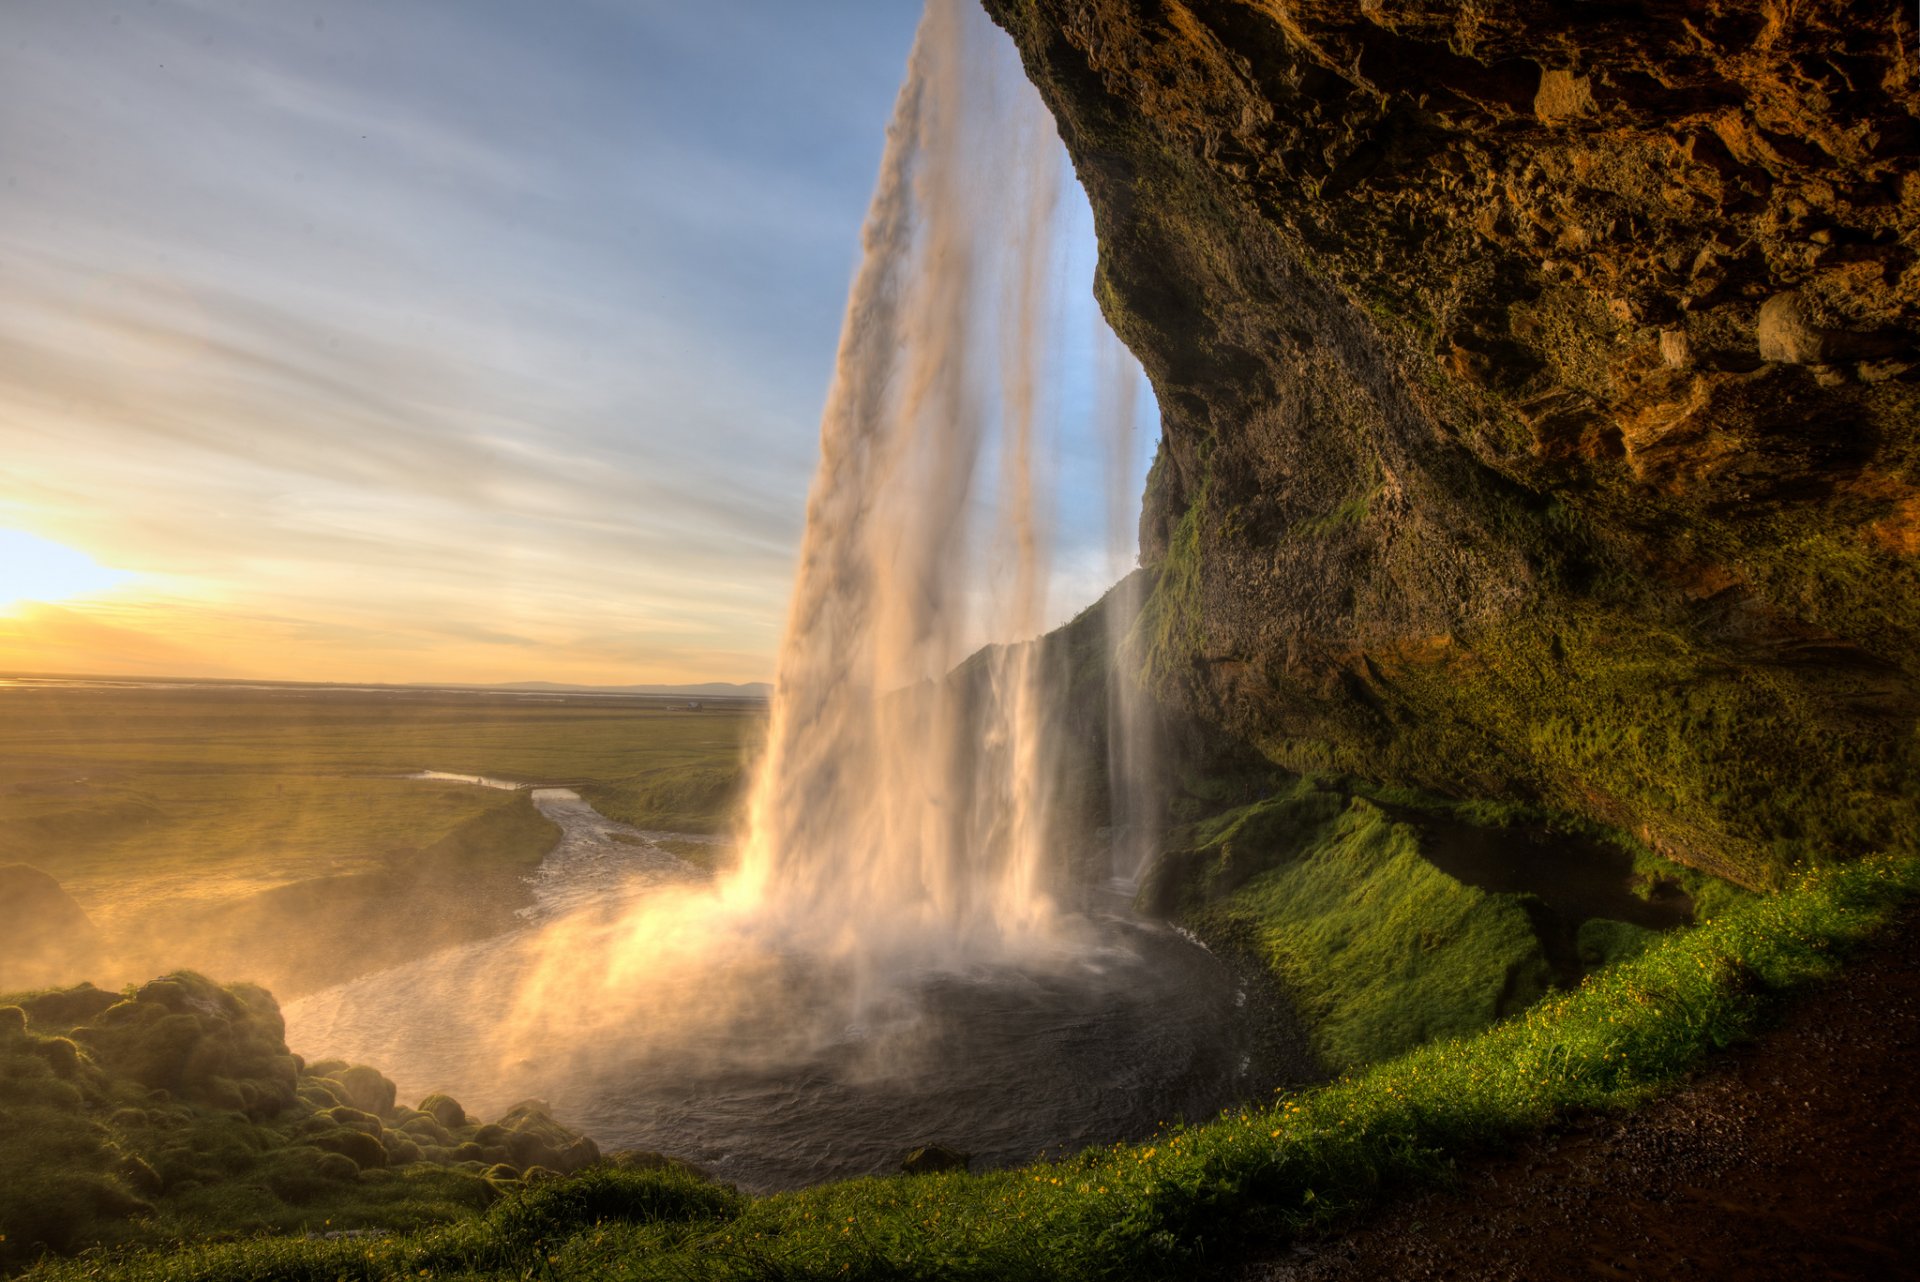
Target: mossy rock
(424, 1130)
(354, 1119)
(13, 1021)
(931, 1159)
(65, 1009)
(445, 1110)
(400, 1150)
(187, 1036)
(366, 1089)
(366, 1151)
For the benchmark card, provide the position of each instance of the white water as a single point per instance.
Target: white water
(484, 781)
(892, 947)
(900, 812)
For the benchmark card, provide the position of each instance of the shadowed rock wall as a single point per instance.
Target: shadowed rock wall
(1540, 387)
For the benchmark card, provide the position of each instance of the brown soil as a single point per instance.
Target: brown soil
(1797, 1157)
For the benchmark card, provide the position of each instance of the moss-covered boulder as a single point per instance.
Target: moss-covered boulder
(196, 1040)
(445, 1110)
(176, 1107)
(366, 1089)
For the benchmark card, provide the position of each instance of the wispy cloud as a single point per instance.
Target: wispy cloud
(458, 338)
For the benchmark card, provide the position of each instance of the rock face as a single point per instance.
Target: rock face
(1539, 392)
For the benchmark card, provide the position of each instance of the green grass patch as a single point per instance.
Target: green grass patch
(1391, 917)
(1378, 950)
(1195, 1194)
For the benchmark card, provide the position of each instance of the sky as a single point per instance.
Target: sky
(444, 340)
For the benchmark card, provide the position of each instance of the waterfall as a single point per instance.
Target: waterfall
(898, 952)
(899, 802)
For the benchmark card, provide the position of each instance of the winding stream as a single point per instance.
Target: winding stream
(774, 1074)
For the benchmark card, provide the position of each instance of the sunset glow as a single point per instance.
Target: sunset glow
(33, 569)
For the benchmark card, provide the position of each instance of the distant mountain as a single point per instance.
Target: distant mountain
(705, 690)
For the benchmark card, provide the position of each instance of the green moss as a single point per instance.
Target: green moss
(1378, 949)
(1168, 632)
(1746, 771)
(1605, 943)
(1352, 513)
(176, 1111)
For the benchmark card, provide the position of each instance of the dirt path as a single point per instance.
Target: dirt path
(1797, 1157)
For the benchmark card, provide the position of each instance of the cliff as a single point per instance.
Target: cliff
(1539, 385)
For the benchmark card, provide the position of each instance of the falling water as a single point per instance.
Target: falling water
(893, 960)
(898, 806)
(1134, 767)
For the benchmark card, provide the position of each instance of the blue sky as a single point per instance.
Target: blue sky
(433, 339)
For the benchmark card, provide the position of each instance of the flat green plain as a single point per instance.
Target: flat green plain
(153, 806)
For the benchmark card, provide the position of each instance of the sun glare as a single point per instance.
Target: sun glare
(37, 569)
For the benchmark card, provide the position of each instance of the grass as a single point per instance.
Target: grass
(182, 814)
(1343, 892)
(1378, 950)
(1194, 1195)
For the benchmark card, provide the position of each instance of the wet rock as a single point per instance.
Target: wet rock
(1788, 334)
(930, 1159)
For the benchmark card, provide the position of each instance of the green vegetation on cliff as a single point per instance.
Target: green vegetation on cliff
(1377, 949)
(1540, 416)
(1392, 918)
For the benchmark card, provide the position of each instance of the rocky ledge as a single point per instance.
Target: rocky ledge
(1539, 384)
